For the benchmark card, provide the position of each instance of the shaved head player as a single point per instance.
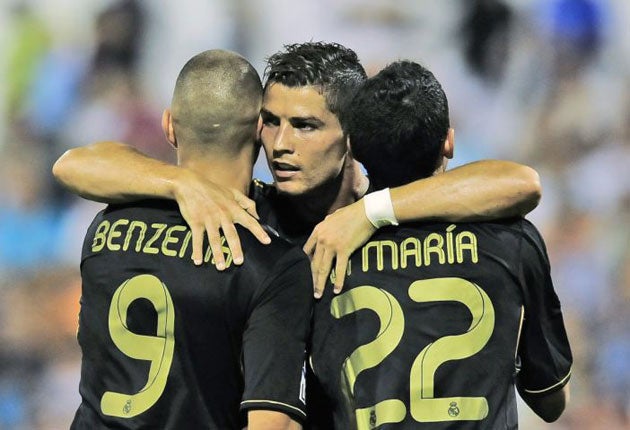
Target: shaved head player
(170, 345)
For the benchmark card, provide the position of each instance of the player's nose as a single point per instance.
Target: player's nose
(282, 141)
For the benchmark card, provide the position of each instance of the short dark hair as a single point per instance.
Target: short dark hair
(217, 99)
(332, 67)
(397, 122)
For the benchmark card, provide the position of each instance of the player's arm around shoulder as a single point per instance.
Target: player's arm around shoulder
(113, 172)
(544, 349)
(333, 241)
(479, 191)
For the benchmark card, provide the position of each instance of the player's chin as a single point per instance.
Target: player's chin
(289, 187)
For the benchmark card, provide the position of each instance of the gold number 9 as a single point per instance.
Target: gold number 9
(157, 349)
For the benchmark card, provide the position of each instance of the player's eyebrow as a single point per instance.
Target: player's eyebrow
(308, 119)
(316, 121)
(265, 112)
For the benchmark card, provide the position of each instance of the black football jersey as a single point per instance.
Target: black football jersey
(170, 345)
(276, 211)
(436, 325)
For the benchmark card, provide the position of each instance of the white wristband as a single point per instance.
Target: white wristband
(379, 209)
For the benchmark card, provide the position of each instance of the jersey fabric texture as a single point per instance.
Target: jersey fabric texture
(170, 345)
(275, 210)
(436, 325)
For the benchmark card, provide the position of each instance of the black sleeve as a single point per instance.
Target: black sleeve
(544, 349)
(274, 341)
(89, 238)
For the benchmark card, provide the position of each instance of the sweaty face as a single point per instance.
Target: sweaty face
(303, 140)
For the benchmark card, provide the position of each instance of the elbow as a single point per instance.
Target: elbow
(68, 170)
(534, 188)
(62, 167)
(551, 416)
(530, 189)
(549, 407)
(558, 404)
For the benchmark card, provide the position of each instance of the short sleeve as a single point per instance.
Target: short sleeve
(274, 342)
(544, 350)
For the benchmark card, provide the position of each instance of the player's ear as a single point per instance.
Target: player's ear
(167, 127)
(259, 127)
(449, 144)
(349, 148)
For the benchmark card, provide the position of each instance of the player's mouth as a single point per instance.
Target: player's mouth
(284, 170)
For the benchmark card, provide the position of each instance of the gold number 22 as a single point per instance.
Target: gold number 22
(424, 406)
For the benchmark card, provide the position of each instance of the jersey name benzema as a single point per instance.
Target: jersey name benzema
(170, 345)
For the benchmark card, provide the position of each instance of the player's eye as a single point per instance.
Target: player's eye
(304, 125)
(269, 120)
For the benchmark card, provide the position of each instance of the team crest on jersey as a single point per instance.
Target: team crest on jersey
(127, 407)
(372, 419)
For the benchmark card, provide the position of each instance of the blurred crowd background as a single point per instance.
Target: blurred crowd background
(545, 83)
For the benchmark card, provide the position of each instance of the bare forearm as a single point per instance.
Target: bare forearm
(113, 172)
(271, 420)
(482, 190)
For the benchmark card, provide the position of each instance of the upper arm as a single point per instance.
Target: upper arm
(274, 342)
(544, 348)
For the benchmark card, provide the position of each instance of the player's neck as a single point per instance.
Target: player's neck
(353, 186)
(348, 187)
(230, 172)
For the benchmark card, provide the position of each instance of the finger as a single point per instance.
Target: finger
(254, 227)
(233, 242)
(250, 207)
(246, 203)
(197, 244)
(340, 272)
(315, 264)
(322, 263)
(215, 245)
(309, 246)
